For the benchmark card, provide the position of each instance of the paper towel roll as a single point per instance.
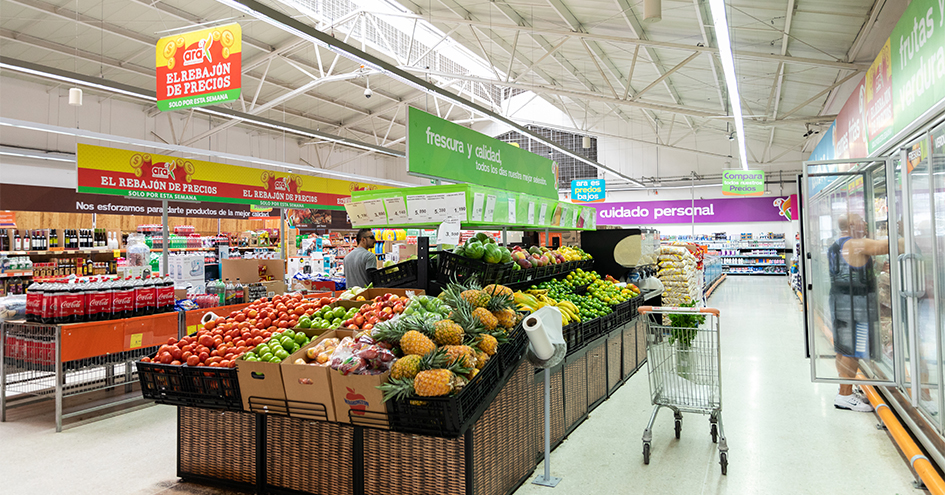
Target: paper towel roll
(541, 344)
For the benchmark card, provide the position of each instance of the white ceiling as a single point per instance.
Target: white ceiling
(790, 56)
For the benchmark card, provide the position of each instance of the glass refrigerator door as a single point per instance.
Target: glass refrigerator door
(848, 302)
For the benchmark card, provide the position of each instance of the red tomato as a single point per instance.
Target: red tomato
(220, 321)
(232, 364)
(213, 365)
(266, 322)
(171, 341)
(188, 348)
(266, 334)
(225, 363)
(165, 357)
(146, 359)
(203, 356)
(283, 324)
(186, 355)
(175, 362)
(193, 360)
(176, 353)
(206, 341)
(210, 325)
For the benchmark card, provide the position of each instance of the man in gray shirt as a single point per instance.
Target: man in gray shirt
(360, 259)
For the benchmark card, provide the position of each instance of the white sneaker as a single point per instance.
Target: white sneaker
(858, 392)
(852, 403)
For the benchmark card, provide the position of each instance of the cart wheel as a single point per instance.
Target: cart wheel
(646, 453)
(723, 461)
(715, 433)
(678, 428)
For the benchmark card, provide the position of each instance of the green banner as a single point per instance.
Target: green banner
(199, 100)
(918, 61)
(441, 149)
(743, 183)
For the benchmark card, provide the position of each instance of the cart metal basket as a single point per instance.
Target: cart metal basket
(684, 369)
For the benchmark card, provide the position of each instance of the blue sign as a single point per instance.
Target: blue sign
(588, 191)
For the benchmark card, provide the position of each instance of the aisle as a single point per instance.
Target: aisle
(785, 436)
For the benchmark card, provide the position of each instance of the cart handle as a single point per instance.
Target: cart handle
(676, 309)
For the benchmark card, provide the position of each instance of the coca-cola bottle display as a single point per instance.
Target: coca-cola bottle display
(123, 299)
(71, 304)
(165, 294)
(50, 306)
(140, 298)
(34, 302)
(97, 301)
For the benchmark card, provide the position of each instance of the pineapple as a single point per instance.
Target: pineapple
(414, 342)
(488, 344)
(462, 354)
(495, 289)
(447, 332)
(406, 367)
(486, 318)
(434, 383)
(507, 317)
(481, 359)
(472, 374)
(475, 297)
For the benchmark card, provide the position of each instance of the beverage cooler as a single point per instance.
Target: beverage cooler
(873, 237)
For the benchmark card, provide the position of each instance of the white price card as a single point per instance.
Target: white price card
(456, 205)
(374, 208)
(478, 200)
(531, 213)
(490, 209)
(586, 216)
(512, 218)
(574, 216)
(448, 233)
(396, 211)
(357, 213)
(542, 213)
(418, 208)
(437, 207)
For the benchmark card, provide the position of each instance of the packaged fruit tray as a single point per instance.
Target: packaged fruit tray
(193, 386)
(402, 274)
(453, 267)
(450, 417)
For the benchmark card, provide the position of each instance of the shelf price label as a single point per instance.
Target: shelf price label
(490, 209)
(418, 208)
(357, 213)
(396, 210)
(531, 213)
(135, 340)
(512, 218)
(574, 217)
(456, 205)
(437, 207)
(478, 200)
(542, 214)
(448, 232)
(374, 208)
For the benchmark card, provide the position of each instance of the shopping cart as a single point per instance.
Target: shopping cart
(684, 368)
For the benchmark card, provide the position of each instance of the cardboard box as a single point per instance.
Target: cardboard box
(248, 270)
(262, 382)
(306, 386)
(359, 395)
(370, 294)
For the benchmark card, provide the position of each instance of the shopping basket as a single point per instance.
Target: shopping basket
(684, 368)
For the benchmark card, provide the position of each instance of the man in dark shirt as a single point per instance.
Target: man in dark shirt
(360, 259)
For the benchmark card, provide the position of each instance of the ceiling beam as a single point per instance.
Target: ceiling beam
(665, 75)
(705, 19)
(554, 31)
(183, 15)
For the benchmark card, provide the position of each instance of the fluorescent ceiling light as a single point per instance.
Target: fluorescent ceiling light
(37, 154)
(286, 23)
(728, 67)
(82, 133)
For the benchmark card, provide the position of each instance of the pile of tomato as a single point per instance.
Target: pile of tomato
(223, 340)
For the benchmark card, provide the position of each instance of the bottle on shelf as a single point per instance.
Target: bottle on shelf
(4, 240)
(51, 303)
(229, 291)
(165, 295)
(238, 295)
(123, 298)
(34, 302)
(71, 304)
(17, 242)
(53, 239)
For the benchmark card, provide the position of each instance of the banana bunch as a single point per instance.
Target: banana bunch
(534, 299)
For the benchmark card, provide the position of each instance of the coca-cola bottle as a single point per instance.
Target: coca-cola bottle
(48, 311)
(165, 294)
(108, 293)
(95, 301)
(34, 302)
(123, 298)
(71, 304)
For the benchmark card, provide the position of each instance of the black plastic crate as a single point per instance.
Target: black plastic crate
(402, 274)
(592, 330)
(453, 267)
(193, 386)
(622, 310)
(516, 276)
(635, 304)
(574, 336)
(452, 416)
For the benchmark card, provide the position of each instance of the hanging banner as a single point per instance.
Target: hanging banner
(199, 68)
(588, 191)
(148, 176)
(764, 209)
(440, 149)
(743, 183)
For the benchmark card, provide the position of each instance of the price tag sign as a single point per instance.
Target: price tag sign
(448, 233)
(437, 207)
(456, 205)
(116, 253)
(418, 208)
(490, 209)
(396, 211)
(585, 218)
(224, 252)
(136, 340)
(531, 213)
(374, 209)
(357, 213)
(542, 214)
(512, 218)
(574, 217)
(478, 200)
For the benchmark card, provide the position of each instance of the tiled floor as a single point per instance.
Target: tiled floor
(785, 437)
